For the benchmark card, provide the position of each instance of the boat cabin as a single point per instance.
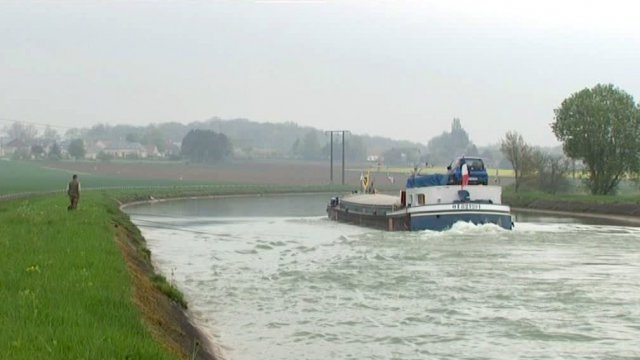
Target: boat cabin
(433, 190)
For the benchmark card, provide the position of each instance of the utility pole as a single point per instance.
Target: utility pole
(343, 158)
(331, 132)
(331, 158)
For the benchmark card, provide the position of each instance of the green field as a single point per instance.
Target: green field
(21, 176)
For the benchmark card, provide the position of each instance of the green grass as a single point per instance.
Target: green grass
(65, 291)
(524, 198)
(23, 176)
(28, 176)
(171, 291)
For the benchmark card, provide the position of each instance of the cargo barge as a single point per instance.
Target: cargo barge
(429, 202)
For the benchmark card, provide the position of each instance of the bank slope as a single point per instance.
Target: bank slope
(66, 290)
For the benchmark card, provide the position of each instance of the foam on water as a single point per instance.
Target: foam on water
(303, 287)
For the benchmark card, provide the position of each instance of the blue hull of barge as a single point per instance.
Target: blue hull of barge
(446, 221)
(419, 221)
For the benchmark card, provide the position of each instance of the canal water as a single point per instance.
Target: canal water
(272, 278)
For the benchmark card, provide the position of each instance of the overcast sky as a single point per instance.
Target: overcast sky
(397, 69)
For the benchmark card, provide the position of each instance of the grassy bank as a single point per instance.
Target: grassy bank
(65, 288)
(628, 205)
(80, 284)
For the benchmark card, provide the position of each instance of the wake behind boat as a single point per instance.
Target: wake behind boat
(429, 202)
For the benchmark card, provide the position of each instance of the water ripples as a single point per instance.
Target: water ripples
(307, 288)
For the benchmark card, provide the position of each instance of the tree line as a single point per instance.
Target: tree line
(599, 129)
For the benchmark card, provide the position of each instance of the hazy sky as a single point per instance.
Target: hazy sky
(401, 69)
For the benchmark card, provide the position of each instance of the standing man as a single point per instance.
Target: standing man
(73, 190)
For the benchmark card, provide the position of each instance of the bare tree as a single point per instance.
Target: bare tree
(551, 171)
(519, 154)
(50, 134)
(22, 131)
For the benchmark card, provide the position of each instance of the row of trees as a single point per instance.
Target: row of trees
(441, 149)
(39, 147)
(599, 127)
(535, 168)
(254, 139)
(202, 145)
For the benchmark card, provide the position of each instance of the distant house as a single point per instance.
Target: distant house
(92, 152)
(123, 150)
(96, 148)
(152, 151)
